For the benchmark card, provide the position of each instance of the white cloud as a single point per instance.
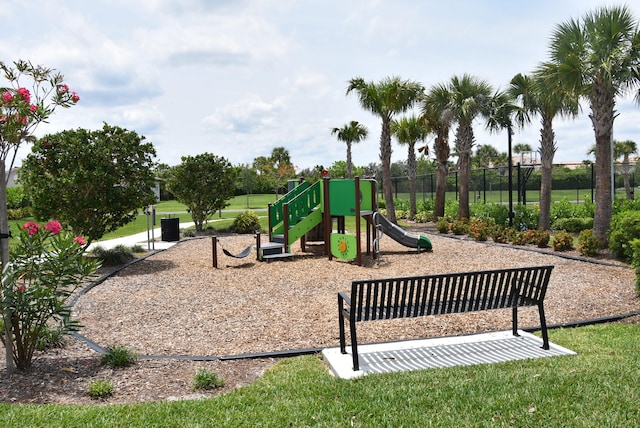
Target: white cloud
(240, 77)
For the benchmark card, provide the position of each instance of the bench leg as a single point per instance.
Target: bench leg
(354, 345)
(514, 321)
(343, 344)
(543, 327)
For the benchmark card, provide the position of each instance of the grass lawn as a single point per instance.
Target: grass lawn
(598, 387)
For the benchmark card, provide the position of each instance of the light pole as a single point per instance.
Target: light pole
(510, 175)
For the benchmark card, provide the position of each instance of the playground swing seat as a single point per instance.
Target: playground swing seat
(241, 255)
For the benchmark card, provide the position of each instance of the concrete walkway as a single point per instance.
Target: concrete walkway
(150, 240)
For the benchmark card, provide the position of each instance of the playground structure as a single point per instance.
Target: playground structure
(310, 211)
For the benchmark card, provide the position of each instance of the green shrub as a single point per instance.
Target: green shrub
(206, 379)
(562, 209)
(502, 235)
(426, 204)
(585, 209)
(539, 237)
(423, 216)
(526, 216)
(118, 255)
(621, 205)
(188, 233)
(587, 243)
(498, 212)
(119, 356)
(137, 248)
(246, 222)
(451, 209)
(19, 213)
(562, 241)
(574, 224)
(460, 227)
(442, 225)
(625, 226)
(481, 229)
(16, 198)
(100, 389)
(400, 205)
(520, 238)
(51, 337)
(635, 262)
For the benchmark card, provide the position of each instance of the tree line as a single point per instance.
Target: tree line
(593, 59)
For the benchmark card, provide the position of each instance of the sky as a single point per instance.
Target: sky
(238, 78)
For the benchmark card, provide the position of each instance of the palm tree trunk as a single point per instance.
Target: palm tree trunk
(385, 158)
(349, 162)
(544, 221)
(602, 106)
(411, 163)
(441, 148)
(626, 168)
(464, 142)
(463, 185)
(547, 152)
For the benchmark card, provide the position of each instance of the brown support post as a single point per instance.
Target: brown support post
(258, 246)
(214, 251)
(269, 221)
(358, 249)
(285, 218)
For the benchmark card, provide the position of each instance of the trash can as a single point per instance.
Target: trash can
(170, 228)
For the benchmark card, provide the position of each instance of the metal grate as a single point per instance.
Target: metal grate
(457, 354)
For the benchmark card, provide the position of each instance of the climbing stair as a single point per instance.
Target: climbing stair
(290, 218)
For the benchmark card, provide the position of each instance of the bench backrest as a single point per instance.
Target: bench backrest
(448, 293)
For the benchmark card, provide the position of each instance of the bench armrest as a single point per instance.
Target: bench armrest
(343, 295)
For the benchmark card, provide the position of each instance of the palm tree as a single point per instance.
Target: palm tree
(386, 99)
(436, 111)
(485, 156)
(597, 58)
(469, 97)
(410, 130)
(625, 149)
(353, 132)
(538, 95)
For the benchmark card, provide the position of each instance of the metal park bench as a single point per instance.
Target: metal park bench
(379, 299)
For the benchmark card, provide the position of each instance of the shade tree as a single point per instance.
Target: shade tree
(93, 181)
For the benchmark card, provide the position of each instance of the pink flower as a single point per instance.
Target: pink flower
(75, 97)
(33, 108)
(25, 94)
(21, 288)
(7, 96)
(31, 227)
(63, 89)
(54, 227)
(79, 240)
